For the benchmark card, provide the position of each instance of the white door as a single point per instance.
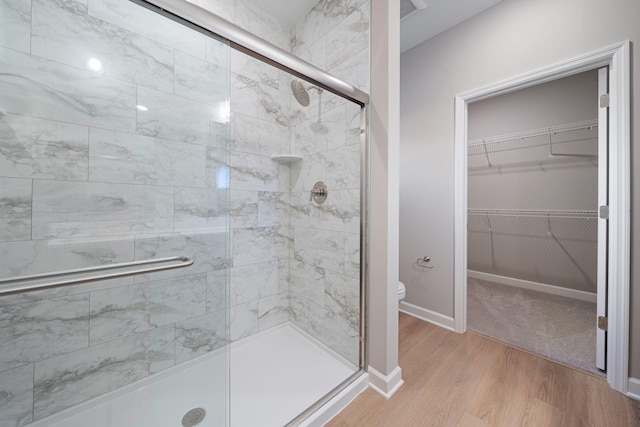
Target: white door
(603, 204)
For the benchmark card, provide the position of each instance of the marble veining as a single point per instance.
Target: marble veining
(308, 281)
(15, 209)
(15, 21)
(254, 69)
(201, 209)
(257, 136)
(349, 37)
(63, 32)
(354, 70)
(243, 320)
(218, 53)
(96, 209)
(340, 212)
(284, 240)
(259, 22)
(269, 208)
(42, 329)
(306, 173)
(299, 311)
(252, 245)
(352, 254)
(335, 331)
(217, 290)
(200, 80)
(137, 19)
(315, 53)
(126, 158)
(299, 209)
(243, 208)
(320, 248)
(275, 105)
(342, 296)
(37, 148)
(41, 88)
(174, 117)
(343, 167)
(320, 133)
(200, 335)
(246, 171)
(244, 95)
(322, 17)
(123, 311)
(69, 379)
(208, 251)
(37, 256)
(16, 396)
(273, 310)
(253, 281)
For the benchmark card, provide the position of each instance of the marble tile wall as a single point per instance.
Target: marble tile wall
(89, 178)
(325, 239)
(170, 179)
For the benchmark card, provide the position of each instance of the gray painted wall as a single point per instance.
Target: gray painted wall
(527, 178)
(512, 38)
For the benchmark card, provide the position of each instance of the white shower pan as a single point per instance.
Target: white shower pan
(275, 375)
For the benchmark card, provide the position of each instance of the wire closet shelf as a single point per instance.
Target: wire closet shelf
(577, 139)
(535, 213)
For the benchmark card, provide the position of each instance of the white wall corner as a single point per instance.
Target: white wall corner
(429, 316)
(386, 385)
(633, 389)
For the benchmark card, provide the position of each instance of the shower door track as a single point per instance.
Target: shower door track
(17, 288)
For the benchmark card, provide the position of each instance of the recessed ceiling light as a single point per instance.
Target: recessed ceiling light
(142, 108)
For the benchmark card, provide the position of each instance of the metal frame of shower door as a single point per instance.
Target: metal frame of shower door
(244, 41)
(204, 21)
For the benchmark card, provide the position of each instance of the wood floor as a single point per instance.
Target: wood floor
(472, 381)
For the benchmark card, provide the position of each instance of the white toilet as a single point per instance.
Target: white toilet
(402, 291)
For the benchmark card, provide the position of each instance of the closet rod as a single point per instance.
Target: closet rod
(584, 125)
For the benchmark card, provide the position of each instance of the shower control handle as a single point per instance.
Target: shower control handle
(319, 192)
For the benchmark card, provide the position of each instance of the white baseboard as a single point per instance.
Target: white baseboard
(633, 390)
(386, 385)
(534, 286)
(338, 403)
(427, 315)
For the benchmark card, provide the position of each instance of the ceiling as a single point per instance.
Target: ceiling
(438, 16)
(421, 25)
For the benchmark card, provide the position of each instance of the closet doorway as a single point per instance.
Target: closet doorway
(532, 218)
(617, 58)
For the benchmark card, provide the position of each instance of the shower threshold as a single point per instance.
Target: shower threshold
(275, 375)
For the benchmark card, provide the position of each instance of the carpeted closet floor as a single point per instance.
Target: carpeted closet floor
(561, 329)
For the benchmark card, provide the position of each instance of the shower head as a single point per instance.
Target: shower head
(300, 93)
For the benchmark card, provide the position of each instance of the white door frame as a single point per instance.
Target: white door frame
(617, 58)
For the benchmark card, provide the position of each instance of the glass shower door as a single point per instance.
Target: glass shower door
(110, 115)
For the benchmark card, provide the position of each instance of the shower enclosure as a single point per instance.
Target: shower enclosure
(165, 259)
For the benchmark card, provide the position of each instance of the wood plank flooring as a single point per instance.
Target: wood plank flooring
(472, 381)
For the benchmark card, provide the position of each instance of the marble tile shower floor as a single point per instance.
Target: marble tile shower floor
(275, 375)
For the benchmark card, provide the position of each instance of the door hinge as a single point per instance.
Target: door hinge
(604, 212)
(604, 100)
(603, 323)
